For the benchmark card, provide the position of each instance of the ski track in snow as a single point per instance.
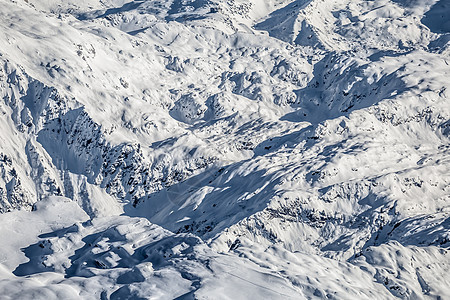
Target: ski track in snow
(211, 149)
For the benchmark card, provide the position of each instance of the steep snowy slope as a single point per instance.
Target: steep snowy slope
(211, 147)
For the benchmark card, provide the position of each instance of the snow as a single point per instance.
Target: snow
(224, 149)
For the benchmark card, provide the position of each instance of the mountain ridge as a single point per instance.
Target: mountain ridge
(250, 134)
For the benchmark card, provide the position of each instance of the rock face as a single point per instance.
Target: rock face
(210, 147)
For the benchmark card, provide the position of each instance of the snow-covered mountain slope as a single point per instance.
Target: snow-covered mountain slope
(203, 149)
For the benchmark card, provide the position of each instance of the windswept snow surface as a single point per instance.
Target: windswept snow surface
(212, 149)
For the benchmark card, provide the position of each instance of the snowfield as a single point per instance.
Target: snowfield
(212, 149)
